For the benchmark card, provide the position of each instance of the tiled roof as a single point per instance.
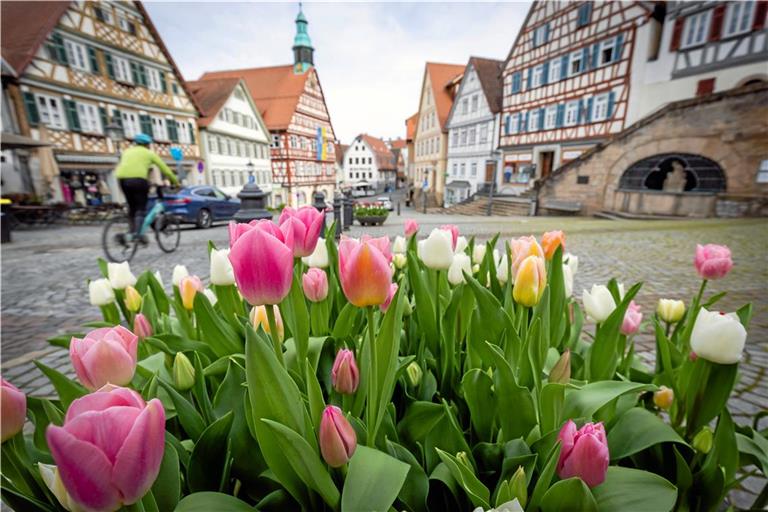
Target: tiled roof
(489, 74)
(340, 150)
(384, 157)
(276, 91)
(211, 96)
(397, 144)
(410, 126)
(441, 76)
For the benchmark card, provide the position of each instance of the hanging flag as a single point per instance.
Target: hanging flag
(322, 148)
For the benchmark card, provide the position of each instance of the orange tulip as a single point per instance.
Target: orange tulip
(550, 241)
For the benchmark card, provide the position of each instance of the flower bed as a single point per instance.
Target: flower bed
(424, 374)
(371, 214)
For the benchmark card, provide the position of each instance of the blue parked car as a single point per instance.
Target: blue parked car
(201, 205)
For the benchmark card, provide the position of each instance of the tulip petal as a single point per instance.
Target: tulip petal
(84, 469)
(76, 346)
(588, 460)
(138, 461)
(107, 361)
(101, 400)
(366, 276)
(263, 267)
(105, 429)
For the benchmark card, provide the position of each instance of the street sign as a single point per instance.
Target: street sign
(176, 153)
(200, 166)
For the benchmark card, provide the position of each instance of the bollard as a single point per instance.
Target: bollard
(337, 200)
(398, 208)
(253, 202)
(348, 213)
(318, 201)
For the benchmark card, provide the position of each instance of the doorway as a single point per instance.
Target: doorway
(546, 158)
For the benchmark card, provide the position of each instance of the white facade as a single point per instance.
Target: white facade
(237, 136)
(361, 165)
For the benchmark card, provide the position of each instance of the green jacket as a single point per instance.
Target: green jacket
(136, 162)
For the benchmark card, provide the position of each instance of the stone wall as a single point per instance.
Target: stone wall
(730, 128)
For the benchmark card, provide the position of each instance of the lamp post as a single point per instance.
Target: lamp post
(250, 167)
(115, 133)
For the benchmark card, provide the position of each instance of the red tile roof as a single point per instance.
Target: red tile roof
(24, 26)
(211, 96)
(397, 143)
(340, 149)
(410, 126)
(441, 77)
(384, 157)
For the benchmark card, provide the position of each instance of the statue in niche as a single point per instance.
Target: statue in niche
(675, 180)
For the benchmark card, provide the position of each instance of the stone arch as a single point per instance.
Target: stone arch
(696, 173)
(758, 78)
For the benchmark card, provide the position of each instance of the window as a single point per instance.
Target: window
(483, 134)
(696, 28)
(600, 108)
(474, 103)
(464, 105)
(571, 113)
(473, 169)
(51, 111)
(102, 14)
(471, 136)
(159, 128)
(584, 14)
(275, 141)
(122, 69)
(454, 138)
(608, 51)
(127, 25)
(533, 120)
(554, 70)
(538, 76)
(131, 125)
(762, 172)
(540, 35)
(514, 123)
(463, 137)
(576, 63)
(154, 79)
(213, 145)
(550, 117)
(738, 17)
(184, 131)
(89, 117)
(517, 81)
(455, 169)
(77, 55)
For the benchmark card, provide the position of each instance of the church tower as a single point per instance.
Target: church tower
(302, 45)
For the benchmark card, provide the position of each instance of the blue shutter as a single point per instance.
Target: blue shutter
(530, 78)
(584, 58)
(545, 73)
(611, 101)
(589, 109)
(506, 124)
(541, 119)
(595, 55)
(546, 32)
(30, 105)
(619, 42)
(73, 119)
(560, 115)
(581, 111)
(516, 81)
(523, 122)
(564, 67)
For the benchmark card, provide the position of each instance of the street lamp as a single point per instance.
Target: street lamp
(250, 168)
(115, 133)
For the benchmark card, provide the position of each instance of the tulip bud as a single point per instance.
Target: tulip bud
(550, 241)
(132, 299)
(463, 459)
(572, 261)
(141, 326)
(530, 280)
(100, 292)
(568, 281)
(345, 376)
(364, 270)
(670, 311)
(461, 264)
(212, 298)
(478, 253)
(663, 397)
(303, 225)
(221, 268)
(713, 261)
(502, 268)
(400, 260)
(319, 257)
(399, 246)
(338, 439)
(120, 275)
(561, 372)
(475, 268)
(408, 309)
(414, 373)
(411, 227)
(188, 288)
(598, 303)
(702, 441)
(179, 273)
(437, 250)
(584, 453)
(632, 319)
(461, 245)
(518, 486)
(183, 372)
(315, 284)
(13, 410)
(159, 277)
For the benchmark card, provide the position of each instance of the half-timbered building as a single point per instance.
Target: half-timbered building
(81, 68)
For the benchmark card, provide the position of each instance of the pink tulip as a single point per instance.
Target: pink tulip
(337, 437)
(345, 376)
(141, 326)
(713, 261)
(454, 230)
(304, 225)
(108, 451)
(584, 453)
(13, 410)
(632, 319)
(315, 284)
(522, 248)
(381, 243)
(392, 291)
(106, 355)
(411, 227)
(236, 230)
(364, 271)
(263, 266)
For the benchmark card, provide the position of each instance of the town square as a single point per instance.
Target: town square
(375, 257)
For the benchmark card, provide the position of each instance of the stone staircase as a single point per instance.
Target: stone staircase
(502, 206)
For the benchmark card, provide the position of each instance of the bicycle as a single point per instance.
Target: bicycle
(120, 244)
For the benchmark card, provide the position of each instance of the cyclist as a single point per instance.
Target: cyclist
(132, 172)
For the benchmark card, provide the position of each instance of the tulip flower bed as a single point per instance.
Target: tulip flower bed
(425, 374)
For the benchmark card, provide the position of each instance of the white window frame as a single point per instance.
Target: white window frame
(471, 136)
(107, 12)
(737, 13)
(159, 128)
(550, 117)
(131, 124)
(454, 137)
(154, 79)
(475, 103)
(51, 115)
(213, 145)
(455, 169)
(538, 35)
(122, 68)
(125, 24)
(483, 137)
(571, 117)
(463, 137)
(696, 29)
(463, 168)
(604, 45)
(77, 55)
(275, 141)
(90, 121)
(514, 123)
(533, 120)
(464, 106)
(182, 130)
(538, 76)
(600, 107)
(577, 56)
(762, 172)
(473, 169)
(555, 73)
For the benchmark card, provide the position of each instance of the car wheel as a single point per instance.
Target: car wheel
(204, 218)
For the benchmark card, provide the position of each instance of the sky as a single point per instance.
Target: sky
(369, 56)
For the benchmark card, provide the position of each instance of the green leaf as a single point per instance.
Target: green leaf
(481, 400)
(346, 320)
(222, 338)
(189, 418)
(167, 487)
(419, 420)
(569, 495)
(478, 493)
(752, 451)
(517, 412)
(296, 316)
(584, 402)
(632, 489)
(545, 478)
(552, 402)
(386, 349)
(209, 456)
(638, 429)
(212, 501)
(708, 390)
(67, 389)
(425, 306)
(416, 487)
(373, 481)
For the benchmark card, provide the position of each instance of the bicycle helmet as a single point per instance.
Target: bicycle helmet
(143, 139)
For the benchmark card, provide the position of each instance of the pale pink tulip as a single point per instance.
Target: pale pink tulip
(411, 227)
(364, 271)
(338, 440)
(315, 284)
(106, 355)
(392, 291)
(263, 266)
(304, 225)
(584, 453)
(522, 248)
(189, 286)
(13, 410)
(345, 376)
(108, 451)
(713, 261)
(141, 326)
(453, 229)
(632, 319)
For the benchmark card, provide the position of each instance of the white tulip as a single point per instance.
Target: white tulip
(211, 296)
(461, 263)
(502, 268)
(52, 480)
(319, 257)
(461, 244)
(159, 278)
(100, 292)
(120, 275)
(478, 253)
(399, 246)
(568, 281)
(598, 303)
(179, 273)
(437, 250)
(222, 272)
(572, 261)
(718, 337)
(620, 286)
(399, 260)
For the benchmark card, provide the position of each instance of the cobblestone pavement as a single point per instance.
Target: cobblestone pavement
(44, 273)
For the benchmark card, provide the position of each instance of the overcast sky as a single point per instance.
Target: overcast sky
(370, 56)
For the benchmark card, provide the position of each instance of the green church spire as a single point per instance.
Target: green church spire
(302, 45)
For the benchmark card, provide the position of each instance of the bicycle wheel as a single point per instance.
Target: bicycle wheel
(114, 240)
(167, 232)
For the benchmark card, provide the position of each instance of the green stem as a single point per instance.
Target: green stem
(274, 333)
(135, 507)
(693, 312)
(370, 416)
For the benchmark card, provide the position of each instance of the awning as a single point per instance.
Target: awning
(15, 141)
(459, 184)
(86, 159)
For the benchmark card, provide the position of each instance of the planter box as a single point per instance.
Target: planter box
(371, 220)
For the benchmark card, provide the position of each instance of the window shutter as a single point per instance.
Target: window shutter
(677, 34)
(546, 32)
(545, 73)
(142, 74)
(718, 14)
(191, 133)
(530, 78)
(95, 69)
(57, 50)
(507, 121)
(104, 119)
(110, 65)
(584, 58)
(117, 118)
(581, 111)
(135, 73)
(173, 132)
(564, 67)
(72, 118)
(163, 85)
(560, 115)
(595, 55)
(589, 109)
(761, 9)
(516, 81)
(619, 43)
(611, 104)
(33, 116)
(145, 123)
(524, 121)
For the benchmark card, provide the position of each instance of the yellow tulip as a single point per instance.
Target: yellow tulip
(663, 397)
(670, 311)
(132, 299)
(530, 281)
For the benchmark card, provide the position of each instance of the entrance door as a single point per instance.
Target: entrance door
(546, 158)
(490, 166)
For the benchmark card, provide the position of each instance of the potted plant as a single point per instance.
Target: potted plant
(371, 214)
